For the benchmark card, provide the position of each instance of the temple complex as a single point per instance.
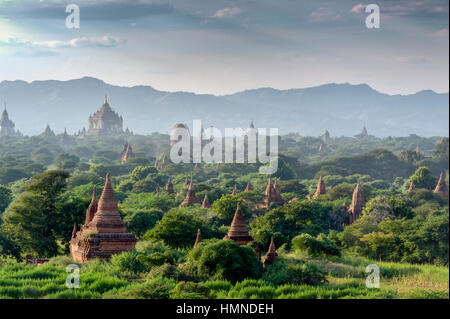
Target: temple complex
(205, 203)
(7, 127)
(127, 153)
(198, 239)
(169, 186)
(271, 254)
(105, 122)
(441, 188)
(47, 132)
(104, 233)
(238, 230)
(190, 197)
(273, 194)
(320, 190)
(357, 205)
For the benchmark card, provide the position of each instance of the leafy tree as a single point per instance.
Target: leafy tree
(33, 219)
(5, 198)
(224, 259)
(225, 207)
(176, 229)
(423, 178)
(66, 161)
(315, 247)
(141, 221)
(141, 172)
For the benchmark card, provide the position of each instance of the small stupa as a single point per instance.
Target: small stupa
(271, 254)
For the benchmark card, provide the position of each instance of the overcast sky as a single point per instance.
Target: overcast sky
(221, 47)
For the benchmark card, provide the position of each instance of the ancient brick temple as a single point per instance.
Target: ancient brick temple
(357, 205)
(169, 186)
(104, 233)
(105, 122)
(205, 203)
(7, 127)
(234, 193)
(238, 230)
(441, 188)
(320, 190)
(271, 254)
(190, 198)
(127, 153)
(198, 239)
(249, 187)
(273, 194)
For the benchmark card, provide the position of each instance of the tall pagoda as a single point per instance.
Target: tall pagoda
(441, 188)
(7, 127)
(320, 190)
(104, 233)
(357, 205)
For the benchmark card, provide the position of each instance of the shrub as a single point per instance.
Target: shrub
(315, 247)
(223, 259)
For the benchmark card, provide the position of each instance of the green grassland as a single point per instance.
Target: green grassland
(345, 279)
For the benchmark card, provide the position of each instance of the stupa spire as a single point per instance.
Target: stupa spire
(441, 188)
(169, 186)
(320, 190)
(357, 205)
(238, 230)
(198, 239)
(205, 203)
(92, 209)
(411, 186)
(271, 254)
(249, 187)
(234, 193)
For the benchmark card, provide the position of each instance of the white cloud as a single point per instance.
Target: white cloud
(226, 13)
(83, 42)
(324, 14)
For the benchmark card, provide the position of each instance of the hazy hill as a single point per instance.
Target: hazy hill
(340, 108)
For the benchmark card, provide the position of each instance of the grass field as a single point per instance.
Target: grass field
(346, 279)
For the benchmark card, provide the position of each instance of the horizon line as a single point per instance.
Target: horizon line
(237, 92)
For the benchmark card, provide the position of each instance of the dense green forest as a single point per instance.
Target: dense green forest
(46, 186)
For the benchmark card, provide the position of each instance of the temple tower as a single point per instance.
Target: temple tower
(320, 190)
(249, 187)
(441, 188)
(127, 153)
(198, 239)
(190, 197)
(205, 203)
(357, 205)
(169, 186)
(106, 234)
(7, 127)
(238, 230)
(271, 254)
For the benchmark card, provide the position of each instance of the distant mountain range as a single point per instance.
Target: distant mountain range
(342, 109)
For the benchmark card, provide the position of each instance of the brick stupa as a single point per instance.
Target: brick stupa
(169, 186)
(320, 190)
(238, 230)
(105, 234)
(441, 188)
(271, 254)
(411, 186)
(357, 205)
(198, 239)
(249, 187)
(205, 203)
(190, 197)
